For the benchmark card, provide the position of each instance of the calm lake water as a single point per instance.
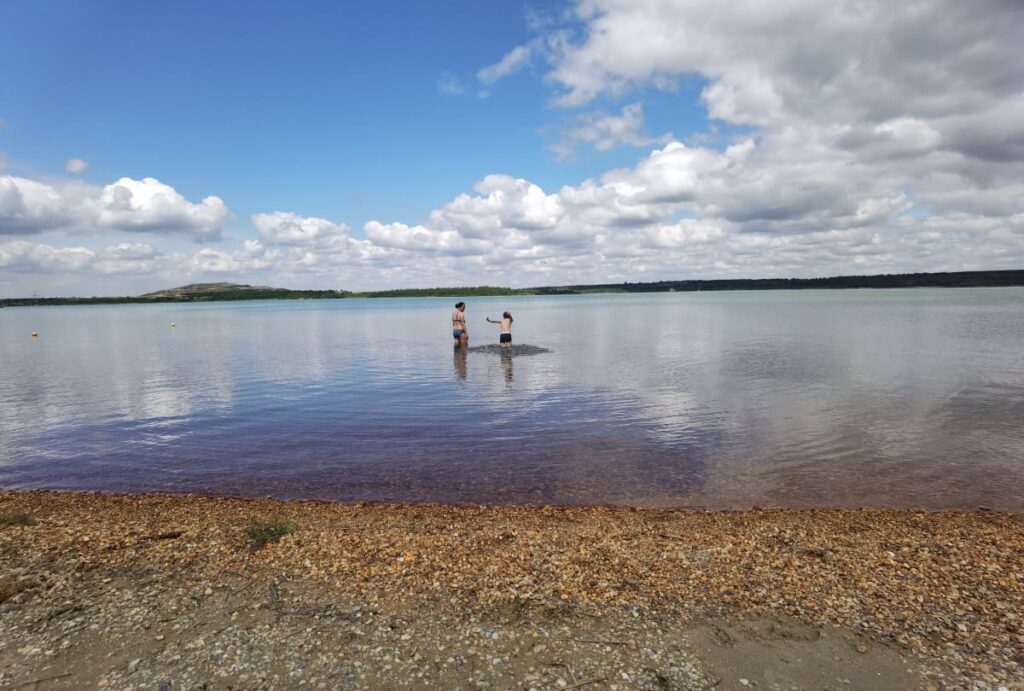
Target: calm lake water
(796, 398)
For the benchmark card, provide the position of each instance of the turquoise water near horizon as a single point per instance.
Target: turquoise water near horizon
(906, 398)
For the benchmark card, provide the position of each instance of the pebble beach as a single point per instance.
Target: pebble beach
(159, 591)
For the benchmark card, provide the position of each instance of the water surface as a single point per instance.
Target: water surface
(910, 398)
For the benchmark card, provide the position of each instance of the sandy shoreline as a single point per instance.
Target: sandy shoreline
(148, 590)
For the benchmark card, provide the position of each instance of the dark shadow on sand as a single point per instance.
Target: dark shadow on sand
(517, 349)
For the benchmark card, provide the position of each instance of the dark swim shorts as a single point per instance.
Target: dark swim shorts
(456, 333)
(505, 338)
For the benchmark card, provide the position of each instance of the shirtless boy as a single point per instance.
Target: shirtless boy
(459, 331)
(505, 339)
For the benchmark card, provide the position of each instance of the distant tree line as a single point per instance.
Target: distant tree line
(211, 296)
(476, 291)
(958, 279)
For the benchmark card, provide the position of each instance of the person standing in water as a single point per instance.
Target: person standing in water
(459, 331)
(505, 339)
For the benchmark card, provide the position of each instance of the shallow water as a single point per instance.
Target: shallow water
(796, 398)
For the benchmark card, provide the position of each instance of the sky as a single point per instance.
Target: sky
(367, 145)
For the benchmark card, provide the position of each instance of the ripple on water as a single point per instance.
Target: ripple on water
(798, 398)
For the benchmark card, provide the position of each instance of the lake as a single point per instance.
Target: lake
(889, 398)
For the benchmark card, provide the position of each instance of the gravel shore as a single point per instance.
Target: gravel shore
(168, 592)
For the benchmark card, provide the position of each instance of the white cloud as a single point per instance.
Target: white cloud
(27, 206)
(513, 61)
(149, 205)
(502, 204)
(449, 83)
(132, 250)
(211, 261)
(286, 228)
(134, 258)
(123, 258)
(76, 165)
(21, 255)
(401, 236)
(868, 144)
(605, 132)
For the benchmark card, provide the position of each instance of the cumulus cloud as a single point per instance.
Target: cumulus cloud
(286, 228)
(605, 132)
(134, 258)
(209, 260)
(149, 205)
(144, 206)
(122, 258)
(856, 114)
(872, 137)
(21, 255)
(76, 165)
(502, 204)
(27, 206)
(132, 250)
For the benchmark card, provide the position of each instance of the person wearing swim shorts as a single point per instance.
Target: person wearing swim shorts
(505, 339)
(459, 331)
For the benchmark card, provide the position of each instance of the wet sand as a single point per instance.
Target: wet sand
(155, 591)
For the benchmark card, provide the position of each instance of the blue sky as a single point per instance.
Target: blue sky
(371, 144)
(332, 110)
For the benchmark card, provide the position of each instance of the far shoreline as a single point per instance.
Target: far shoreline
(226, 292)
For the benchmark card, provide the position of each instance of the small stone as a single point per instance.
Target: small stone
(208, 592)
(744, 682)
(159, 636)
(863, 648)
(133, 665)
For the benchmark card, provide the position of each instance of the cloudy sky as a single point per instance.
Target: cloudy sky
(377, 144)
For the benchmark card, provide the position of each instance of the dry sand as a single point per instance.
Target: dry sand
(162, 592)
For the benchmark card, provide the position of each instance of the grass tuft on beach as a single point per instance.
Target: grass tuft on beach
(15, 518)
(262, 533)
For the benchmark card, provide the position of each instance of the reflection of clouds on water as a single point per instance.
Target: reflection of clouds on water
(707, 399)
(101, 367)
(860, 425)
